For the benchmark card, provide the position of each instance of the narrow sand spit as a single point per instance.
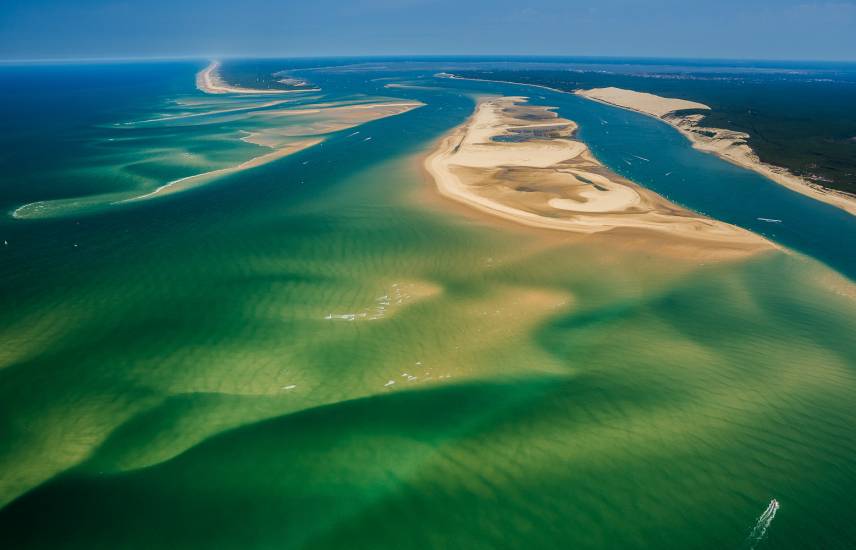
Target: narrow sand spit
(208, 80)
(727, 144)
(214, 112)
(520, 162)
(182, 184)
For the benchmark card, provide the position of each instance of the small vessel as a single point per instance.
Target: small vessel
(770, 220)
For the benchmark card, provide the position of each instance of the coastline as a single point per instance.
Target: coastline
(209, 81)
(728, 145)
(565, 189)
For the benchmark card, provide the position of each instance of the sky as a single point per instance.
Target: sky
(733, 29)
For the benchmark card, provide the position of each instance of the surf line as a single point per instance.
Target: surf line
(761, 525)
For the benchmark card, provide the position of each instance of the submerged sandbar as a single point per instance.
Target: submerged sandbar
(308, 126)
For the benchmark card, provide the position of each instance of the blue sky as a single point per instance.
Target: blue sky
(754, 29)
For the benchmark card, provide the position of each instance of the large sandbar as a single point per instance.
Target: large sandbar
(521, 163)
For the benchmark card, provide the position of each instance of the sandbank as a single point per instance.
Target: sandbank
(521, 163)
(182, 184)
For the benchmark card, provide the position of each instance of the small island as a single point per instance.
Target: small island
(521, 162)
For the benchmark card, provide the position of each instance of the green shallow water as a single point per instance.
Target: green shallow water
(174, 380)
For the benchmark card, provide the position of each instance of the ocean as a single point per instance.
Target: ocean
(321, 353)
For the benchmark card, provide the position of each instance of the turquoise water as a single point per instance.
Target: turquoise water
(169, 376)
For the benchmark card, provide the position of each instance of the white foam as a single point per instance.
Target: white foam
(759, 531)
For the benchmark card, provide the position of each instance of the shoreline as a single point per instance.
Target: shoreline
(566, 189)
(728, 145)
(209, 81)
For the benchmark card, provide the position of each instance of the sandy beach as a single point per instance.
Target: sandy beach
(727, 144)
(521, 163)
(209, 81)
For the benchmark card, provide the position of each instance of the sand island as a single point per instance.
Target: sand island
(521, 162)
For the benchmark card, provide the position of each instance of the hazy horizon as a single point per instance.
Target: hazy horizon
(511, 58)
(789, 30)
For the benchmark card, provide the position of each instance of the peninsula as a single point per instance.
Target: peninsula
(209, 81)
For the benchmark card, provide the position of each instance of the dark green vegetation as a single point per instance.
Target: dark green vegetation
(804, 121)
(264, 74)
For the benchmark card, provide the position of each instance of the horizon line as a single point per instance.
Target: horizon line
(205, 57)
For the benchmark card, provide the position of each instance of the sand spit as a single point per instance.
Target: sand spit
(182, 184)
(521, 163)
(209, 81)
(215, 112)
(727, 144)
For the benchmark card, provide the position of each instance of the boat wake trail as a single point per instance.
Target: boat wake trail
(761, 526)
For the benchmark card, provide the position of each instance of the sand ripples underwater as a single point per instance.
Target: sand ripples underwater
(215, 370)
